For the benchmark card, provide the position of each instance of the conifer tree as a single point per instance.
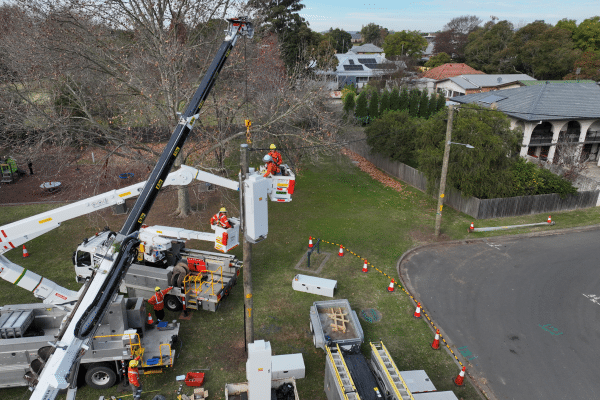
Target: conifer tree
(413, 102)
(374, 106)
(361, 111)
(395, 99)
(403, 100)
(349, 103)
(424, 105)
(441, 102)
(384, 103)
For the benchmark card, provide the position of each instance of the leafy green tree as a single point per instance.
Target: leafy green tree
(437, 60)
(361, 112)
(340, 40)
(568, 24)
(404, 100)
(485, 44)
(530, 179)
(282, 18)
(394, 136)
(324, 55)
(483, 171)
(589, 67)
(384, 102)
(587, 35)
(373, 33)
(540, 50)
(413, 102)
(424, 105)
(374, 105)
(395, 99)
(349, 103)
(409, 43)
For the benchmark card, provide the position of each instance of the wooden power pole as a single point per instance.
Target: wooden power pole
(247, 258)
(438, 216)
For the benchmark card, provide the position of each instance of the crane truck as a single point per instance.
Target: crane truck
(90, 305)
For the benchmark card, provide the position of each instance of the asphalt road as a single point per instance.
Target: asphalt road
(522, 312)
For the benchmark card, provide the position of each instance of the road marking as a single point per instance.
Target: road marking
(593, 297)
(495, 246)
(549, 328)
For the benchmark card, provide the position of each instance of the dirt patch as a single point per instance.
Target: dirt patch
(424, 235)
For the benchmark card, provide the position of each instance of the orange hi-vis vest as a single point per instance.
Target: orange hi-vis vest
(272, 169)
(158, 300)
(134, 376)
(276, 156)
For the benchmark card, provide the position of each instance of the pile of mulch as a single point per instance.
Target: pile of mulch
(375, 173)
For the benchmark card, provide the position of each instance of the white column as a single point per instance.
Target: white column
(555, 132)
(527, 131)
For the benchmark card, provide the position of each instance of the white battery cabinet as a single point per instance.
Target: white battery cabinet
(256, 207)
(314, 285)
(288, 366)
(258, 370)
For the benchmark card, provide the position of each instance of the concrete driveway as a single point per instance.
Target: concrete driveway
(522, 312)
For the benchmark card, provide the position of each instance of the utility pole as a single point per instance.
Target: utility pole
(438, 216)
(247, 258)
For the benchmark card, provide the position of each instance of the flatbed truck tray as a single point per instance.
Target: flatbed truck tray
(323, 327)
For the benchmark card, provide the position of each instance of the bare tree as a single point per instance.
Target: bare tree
(113, 75)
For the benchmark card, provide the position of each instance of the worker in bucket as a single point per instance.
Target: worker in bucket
(275, 155)
(221, 219)
(133, 374)
(272, 168)
(158, 302)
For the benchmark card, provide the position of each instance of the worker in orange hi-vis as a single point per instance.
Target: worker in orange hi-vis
(133, 375)
(221, 219)
(272, 168)
(275, 155)
(158, 302)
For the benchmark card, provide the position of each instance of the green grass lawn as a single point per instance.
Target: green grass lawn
(334, 201)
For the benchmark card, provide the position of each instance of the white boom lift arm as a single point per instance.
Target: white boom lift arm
(20, 232)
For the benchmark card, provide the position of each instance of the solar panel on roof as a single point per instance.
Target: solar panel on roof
(492, 99)
(367, 61)
(351, 62)
(353, 68)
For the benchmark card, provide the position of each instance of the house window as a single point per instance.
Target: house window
(362, 79)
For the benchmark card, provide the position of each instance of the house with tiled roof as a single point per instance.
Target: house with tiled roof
(477, 83)
(549, 114)
(356, 37)
(449, 70)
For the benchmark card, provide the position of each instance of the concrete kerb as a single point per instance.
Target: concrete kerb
(409, 253)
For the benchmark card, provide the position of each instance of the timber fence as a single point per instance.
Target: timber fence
(481, 208)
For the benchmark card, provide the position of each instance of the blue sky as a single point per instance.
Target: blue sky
(432, 15)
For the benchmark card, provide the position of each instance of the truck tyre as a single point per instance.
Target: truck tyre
(100, 376)
(172, 303)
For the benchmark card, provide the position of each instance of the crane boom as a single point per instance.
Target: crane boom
(103, 287)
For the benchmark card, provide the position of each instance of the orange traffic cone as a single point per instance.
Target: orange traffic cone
(365, 267)
(341, 252)
(472, 227)
(460, 379)
(549, 219)
(25, 253)
(436, 341)
(417, 313)
(150, 320)
(391, 286)
(310, 242)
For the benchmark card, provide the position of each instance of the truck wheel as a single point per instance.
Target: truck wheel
(172, 303)
(100, 377)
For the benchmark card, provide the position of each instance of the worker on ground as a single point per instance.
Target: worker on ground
(275, 155)
(133, 375)
(272, 168)
(158, 302)
(221, 219)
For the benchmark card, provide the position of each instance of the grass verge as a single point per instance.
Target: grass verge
(334, 201)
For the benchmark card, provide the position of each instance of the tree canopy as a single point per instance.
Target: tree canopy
(409, 43)
(373, 33)
(437, 60)
(340, 40)
(453, 39)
